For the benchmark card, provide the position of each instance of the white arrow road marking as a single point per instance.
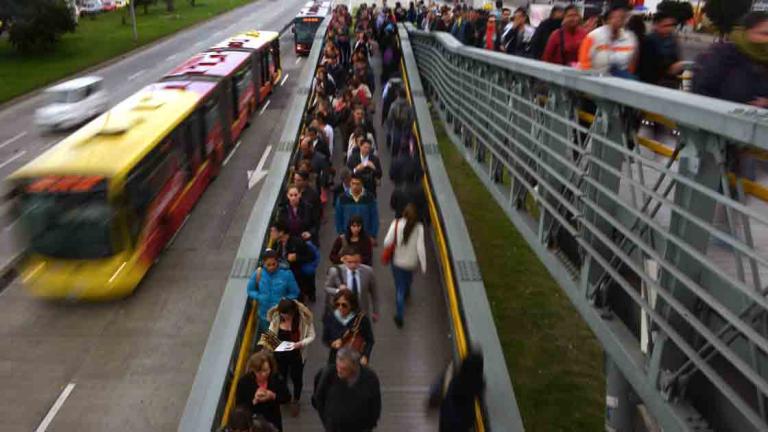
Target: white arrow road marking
(255, 176)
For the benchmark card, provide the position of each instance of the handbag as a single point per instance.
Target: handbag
(389, 252)
(352, 337)
(269, 340)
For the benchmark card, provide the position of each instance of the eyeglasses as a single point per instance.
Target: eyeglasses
(341, 304)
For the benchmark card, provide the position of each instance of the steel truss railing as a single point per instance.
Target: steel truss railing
(666, 259)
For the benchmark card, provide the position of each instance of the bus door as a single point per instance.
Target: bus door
(266, 77)
(257, 77)
(275, 50)
(243, 98)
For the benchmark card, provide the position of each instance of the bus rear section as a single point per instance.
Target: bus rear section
(97, 209)
(304, 29)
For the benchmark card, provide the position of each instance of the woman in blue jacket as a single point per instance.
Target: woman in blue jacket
(269, 284)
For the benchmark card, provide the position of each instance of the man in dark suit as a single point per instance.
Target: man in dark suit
(366, 165)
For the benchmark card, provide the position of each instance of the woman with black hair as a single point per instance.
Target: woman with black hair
(407, 236)
(356, 237)
(292, 322)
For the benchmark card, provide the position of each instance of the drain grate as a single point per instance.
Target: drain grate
(243, 268)
(468, 271)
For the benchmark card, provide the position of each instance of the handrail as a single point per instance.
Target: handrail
(208, 397)
(741, 123)
(663, 260)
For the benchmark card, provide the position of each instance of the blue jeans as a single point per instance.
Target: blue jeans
(403, 279)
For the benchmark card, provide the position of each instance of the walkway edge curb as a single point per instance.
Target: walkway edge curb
(501, 407)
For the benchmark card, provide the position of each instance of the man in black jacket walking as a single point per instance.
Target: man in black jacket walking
(347, 395)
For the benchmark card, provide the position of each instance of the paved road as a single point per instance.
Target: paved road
(21, 141)
(132, 361)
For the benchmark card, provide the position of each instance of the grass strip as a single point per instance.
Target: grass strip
(555, 362)
(96, 40)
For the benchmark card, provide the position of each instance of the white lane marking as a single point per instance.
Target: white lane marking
(13, 139)
(298, 60)
(10, 225)
(172, 57)
(13, 158)
(285, 78)
(176, 234)
(259, 173)
(261, 111)
(232, 153)
(55, 408)
(135, 75)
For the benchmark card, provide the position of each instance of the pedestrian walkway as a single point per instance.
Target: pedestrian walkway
(406, 360)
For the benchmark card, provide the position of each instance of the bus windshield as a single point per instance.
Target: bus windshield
(69, 225)
(305, 31)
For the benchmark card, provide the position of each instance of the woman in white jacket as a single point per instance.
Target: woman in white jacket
(410, 254)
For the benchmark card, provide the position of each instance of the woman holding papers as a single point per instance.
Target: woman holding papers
(292, 322)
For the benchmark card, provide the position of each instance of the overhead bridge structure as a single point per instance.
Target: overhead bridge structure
(660, 242)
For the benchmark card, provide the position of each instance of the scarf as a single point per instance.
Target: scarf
(341, 319)
(755, 51)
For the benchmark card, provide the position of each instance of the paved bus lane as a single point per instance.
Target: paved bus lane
(132, 361)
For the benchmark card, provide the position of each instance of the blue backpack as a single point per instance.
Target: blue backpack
(310, 268)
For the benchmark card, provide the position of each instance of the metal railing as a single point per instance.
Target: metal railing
(663, 258)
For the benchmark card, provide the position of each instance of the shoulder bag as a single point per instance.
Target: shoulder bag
(389, 252)
(352, 337)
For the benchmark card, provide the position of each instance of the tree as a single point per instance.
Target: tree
(36, 25)
(169, 6)
(725, 14)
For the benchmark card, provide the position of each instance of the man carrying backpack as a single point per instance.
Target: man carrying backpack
(399, 121)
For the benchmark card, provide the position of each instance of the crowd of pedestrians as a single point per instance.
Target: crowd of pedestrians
(615, 43)
(334, 185)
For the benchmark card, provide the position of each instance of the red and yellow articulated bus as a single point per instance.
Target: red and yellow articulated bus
(98, 208)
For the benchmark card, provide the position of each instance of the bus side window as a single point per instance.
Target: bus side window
(145, 182)
(265, 78)
(276, 54)
(211, 121)
(192, 141)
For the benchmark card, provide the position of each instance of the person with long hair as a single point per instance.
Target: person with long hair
(262, 389)
(407, 234)
(356, 237)
(292, 322)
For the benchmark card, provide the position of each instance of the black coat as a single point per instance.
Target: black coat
(334, 329)
(724, 72)
(541, 36)
(657, 55)
(347, 408)
(368, 174)
(304, 213)
(294, 245)
(246, 389)
(409, 193)
(405, 168)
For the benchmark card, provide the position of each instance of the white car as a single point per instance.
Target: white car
(72, 103)
(91, 7)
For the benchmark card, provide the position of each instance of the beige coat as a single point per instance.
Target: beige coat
(306, 328)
